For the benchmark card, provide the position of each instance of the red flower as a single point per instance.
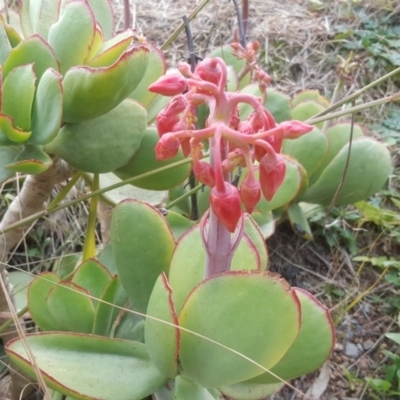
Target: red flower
(272, 174)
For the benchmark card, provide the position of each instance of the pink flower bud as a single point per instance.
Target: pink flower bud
(176, 105)
(250, 193)
(294, 129)
(166, 123)
(167, 147)
(272, 174)
(169, 85)
(226, 205)
(204, 173)
(209, 70)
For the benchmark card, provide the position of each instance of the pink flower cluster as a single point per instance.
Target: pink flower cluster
(232, 142)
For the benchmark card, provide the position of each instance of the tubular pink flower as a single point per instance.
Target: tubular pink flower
(167, 147)
(272, 173)
(165, 123)
(169, 85)
(295, 129)
(225, 204)
(250, 193)
(209, 70)
(204, 173)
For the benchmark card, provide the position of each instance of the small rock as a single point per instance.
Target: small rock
(368, 344)
(351, 350)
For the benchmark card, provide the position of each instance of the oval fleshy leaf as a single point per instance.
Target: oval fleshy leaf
(5, 46)
(102, 144)
(186, 389)
(33, 50)
(25, 18)
(306, 110)
(103, 13)
(31, 160)
(7, 155)
(122, 368)
(92, 276)
(47, 108)
(38, 291)
(10, 135)
(111, 50)
(145, 161)
(188, 263)
(136, 230)
(71, 308)
(11, 34)
(310, 95)
(178, 223)
(309, 150)
(338, 136)
(250, 391)
(255, 235)
(245, 324)
(116, 296)
(91, 92)
(71, 37)
(164, 353)
(44, 14)
(156, 68)
(18, 92)
(312, 346)
(369, 167)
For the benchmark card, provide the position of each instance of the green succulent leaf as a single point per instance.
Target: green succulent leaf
(93, 277)
(102, 144)
(186, 389)
(136, 230)
(369, 167)
(31, 160)
(103, 13)
(33, 50)
(115, 196)
(306, 110)
(263, 334)
(12, 35)
(10, 136)
(145, 160)
(111, 50)
(37, 16)
(256, 236)
(18, 92)
(71, 37)
(264, 219)
(38, 292)
(20, 281)
(7, 155)
(47, 108)
(106, 312)
(156, 68)
(5, 46)
(310, 95)
(163, 352)
(299, 222)
(91, 92)
(156, 105)
(312, 346)
(250, 391)
(71, 307)
(309, 150)
(189, 258)
(338, 136)
(122, 368)
(178, 223)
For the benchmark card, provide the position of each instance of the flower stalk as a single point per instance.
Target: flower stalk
(254, 143)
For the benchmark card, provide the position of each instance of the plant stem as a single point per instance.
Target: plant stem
(350, 110)
(357, 93)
